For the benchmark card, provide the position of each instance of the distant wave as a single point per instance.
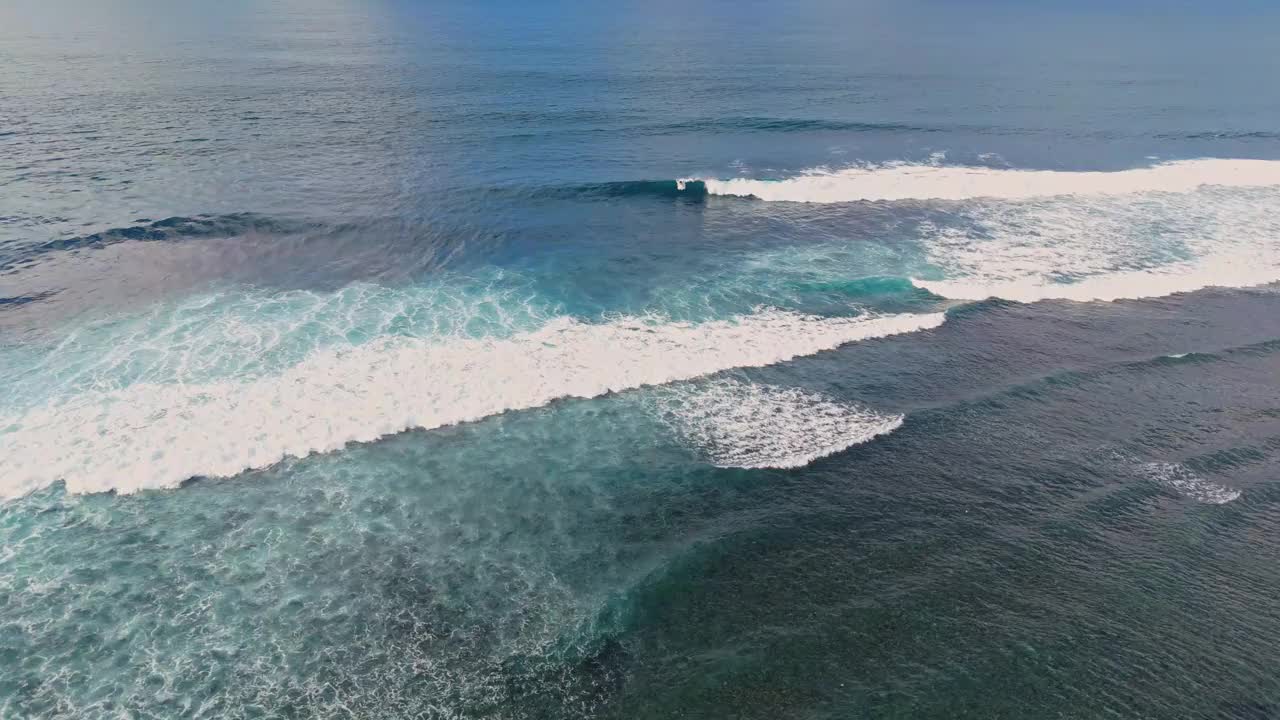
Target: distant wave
(166, 230)
(753, 426)
(1222, 135)
(149, 435)
(19, 300)
(900, 181)
(773, 124)
(544, 125)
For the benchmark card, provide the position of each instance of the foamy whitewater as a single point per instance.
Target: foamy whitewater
(902, 181)
(1182, 480)
(150, 435)
(1108, 248)
(750, 425)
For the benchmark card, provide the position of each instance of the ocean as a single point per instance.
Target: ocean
(407, 359)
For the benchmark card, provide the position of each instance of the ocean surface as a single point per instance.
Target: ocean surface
(396, 359)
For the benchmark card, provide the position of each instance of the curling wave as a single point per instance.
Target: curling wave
(150, 435)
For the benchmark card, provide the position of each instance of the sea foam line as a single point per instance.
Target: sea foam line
(158, 435)
(900, 181)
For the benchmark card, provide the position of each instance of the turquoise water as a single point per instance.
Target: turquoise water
(393, 361)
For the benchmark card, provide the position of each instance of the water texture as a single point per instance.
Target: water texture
(705, 360)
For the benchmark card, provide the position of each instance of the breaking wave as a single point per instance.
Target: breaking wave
(149, 435)
(902, 181)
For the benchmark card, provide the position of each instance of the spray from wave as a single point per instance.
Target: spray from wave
(149, 435)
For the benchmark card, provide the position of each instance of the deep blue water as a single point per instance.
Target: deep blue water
(701, 359)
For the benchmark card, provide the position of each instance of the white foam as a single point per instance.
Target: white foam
(901, 181)
(1132, 284)
(748, 425)
(1110, 248)
(151, 435)
(1186, 483)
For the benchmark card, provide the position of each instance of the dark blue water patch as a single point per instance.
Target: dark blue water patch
(1128, 374)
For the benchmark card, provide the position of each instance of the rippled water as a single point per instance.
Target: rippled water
(688, 360)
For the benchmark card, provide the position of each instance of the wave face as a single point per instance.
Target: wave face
(900, 181)
(749, 425)
(148, 434)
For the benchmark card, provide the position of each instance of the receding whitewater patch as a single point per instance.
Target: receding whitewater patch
(748, 425)
(1104, 248)
(150, 435)
(1121, 285)
(1181, 479)
(902, 181)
